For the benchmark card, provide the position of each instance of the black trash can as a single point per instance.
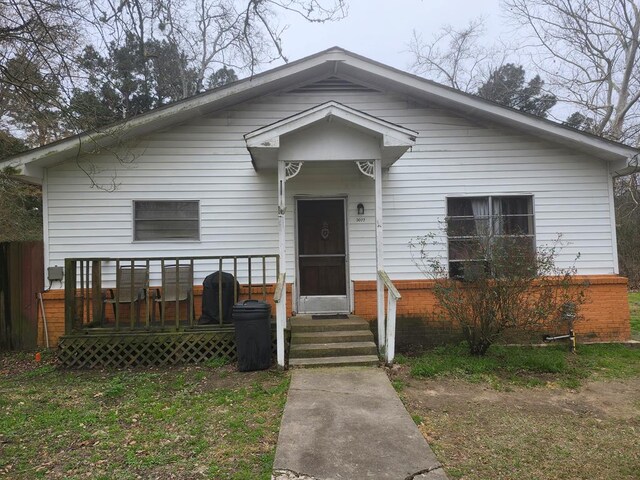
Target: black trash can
(252, 319)
(211, 298)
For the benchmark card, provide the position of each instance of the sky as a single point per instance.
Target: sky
(382, 29)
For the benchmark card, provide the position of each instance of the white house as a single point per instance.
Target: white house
(333, 163)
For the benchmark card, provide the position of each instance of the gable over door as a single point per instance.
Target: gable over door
(322, 256)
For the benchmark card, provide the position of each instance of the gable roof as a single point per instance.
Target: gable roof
(264, 142)
(329, 63)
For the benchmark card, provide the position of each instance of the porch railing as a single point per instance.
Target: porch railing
(279, 297)
(88, 280)
(392, 298)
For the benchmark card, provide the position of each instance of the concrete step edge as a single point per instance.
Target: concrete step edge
(329, 328)
(339, 345)
(309, 350)
(334, 361)
(340, 336)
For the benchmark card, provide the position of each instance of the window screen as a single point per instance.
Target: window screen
(166, 220)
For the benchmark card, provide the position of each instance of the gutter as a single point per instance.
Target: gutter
(631, 166)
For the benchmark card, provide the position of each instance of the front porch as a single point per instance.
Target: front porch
(110, 321)
(122, 312)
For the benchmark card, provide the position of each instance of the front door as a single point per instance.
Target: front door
(322, 257)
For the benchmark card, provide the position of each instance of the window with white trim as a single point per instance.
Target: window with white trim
(159, 220)
(473, 223)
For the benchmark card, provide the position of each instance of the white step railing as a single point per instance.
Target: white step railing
(392, 298)
(280, 299)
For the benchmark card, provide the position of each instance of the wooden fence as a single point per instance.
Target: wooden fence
(21, 279)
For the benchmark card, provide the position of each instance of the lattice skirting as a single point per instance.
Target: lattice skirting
(118, 350)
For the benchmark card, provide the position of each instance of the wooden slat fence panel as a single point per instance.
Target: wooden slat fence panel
(21, 279)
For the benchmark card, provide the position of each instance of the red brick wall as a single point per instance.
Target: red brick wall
(605, 313)
(606, 310)
(54, 310)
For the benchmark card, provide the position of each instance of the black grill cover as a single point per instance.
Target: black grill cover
(210, 297)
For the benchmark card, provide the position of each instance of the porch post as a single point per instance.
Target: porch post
(379, 253)
(281, 306)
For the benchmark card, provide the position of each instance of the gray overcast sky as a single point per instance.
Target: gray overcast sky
(382, 29)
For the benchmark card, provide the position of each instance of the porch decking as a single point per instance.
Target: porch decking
(129, 334)
(133, 336)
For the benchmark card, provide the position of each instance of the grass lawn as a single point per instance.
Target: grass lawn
(190, 422)
(534, 413)
(634, 303)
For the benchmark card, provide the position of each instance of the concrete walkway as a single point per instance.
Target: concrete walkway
(348, 423)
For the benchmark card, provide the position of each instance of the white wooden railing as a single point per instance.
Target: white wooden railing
(280, 299)
(392, 298)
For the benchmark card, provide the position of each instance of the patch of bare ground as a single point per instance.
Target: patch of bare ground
(549, 432)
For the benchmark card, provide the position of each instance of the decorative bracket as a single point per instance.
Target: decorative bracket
(292, 169)
(366, 168)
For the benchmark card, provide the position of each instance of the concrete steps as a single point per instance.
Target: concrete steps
(347, 361)
(331, 342)
(299, 338)
(306, 324)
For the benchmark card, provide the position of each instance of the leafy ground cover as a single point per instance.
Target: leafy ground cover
(535, 413)
(190, 422)
(634, 303)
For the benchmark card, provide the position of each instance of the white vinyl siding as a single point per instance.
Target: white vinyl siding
(206, 160)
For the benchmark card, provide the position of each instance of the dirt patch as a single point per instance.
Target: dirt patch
(228, 377)
(549, 432)
(612, 399)
(14, 363)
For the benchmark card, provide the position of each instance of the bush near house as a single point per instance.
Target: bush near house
(503, 283)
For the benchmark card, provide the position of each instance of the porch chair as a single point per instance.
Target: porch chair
(126, 276)
(172, 291)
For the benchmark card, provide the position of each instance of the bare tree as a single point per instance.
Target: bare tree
(458, 58)
(205, 34)
(210, 33)
(20, 208)
(589, 52)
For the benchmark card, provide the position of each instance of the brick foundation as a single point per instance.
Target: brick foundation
(605, 311)
(54, 309)
(606, 316)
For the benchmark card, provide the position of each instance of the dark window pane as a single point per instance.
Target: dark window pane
(468, 249)
(468, 270)
(166, 220)
(513, 205)
(467, 227)
(513, 215)
(166, 210)
(515, 225)
(467, 206)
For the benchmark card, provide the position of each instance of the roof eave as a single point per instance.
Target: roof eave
(333, 60)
